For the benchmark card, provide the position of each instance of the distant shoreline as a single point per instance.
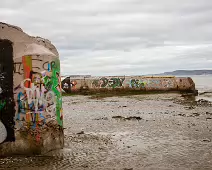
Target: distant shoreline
(187, 73)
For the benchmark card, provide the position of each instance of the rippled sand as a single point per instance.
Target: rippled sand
(160, 131)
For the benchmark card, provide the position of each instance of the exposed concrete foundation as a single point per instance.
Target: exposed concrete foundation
(31, 120)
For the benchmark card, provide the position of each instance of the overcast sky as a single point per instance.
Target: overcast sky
(119, 37)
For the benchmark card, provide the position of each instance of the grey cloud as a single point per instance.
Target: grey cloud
(119, 36)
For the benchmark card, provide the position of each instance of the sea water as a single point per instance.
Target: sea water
(203, 84)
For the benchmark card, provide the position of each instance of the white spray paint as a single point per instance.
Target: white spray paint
(3, 132)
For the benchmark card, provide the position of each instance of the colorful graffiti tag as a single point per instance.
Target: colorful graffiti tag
(40, 95)
(149, 83)
(108, 82)
(73, 84)
(135, 83)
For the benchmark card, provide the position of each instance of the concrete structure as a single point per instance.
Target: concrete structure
(30, 94)
(142, 83)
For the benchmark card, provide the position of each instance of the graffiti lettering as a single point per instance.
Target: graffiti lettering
(48, 66)
(151, 83)
(110, 83)
(40, 95)
(18, 68)
(135, 83)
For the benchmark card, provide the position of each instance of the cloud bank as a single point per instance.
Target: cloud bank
(119, 37)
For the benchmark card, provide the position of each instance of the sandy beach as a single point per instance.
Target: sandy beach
(159, 131)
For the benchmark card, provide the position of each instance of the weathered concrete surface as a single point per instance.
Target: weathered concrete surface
(141, 83)
(34, 123)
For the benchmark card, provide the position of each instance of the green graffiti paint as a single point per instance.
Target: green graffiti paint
(56, 88)
(47, 82)
(2, 104)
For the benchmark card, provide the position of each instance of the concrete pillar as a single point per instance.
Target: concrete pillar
(31, 120)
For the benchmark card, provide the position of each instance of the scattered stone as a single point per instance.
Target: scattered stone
(122, 106)
(101, 118)
(118, 117)
(208, 118)
(133, 118)
(180, 114)
(208, 113)
(206, 140)
(127, 118)
(189, 108)
(196, 114)
(81, 133)
(85, 166)
(202, 102)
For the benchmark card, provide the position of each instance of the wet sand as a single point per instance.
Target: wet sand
(160, 131)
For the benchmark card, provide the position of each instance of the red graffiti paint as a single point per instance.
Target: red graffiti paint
(27, 66)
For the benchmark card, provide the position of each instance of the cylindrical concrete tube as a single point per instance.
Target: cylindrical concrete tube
(31, 120)
(128, 83)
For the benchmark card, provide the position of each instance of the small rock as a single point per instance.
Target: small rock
(189, 108)
(80, 133)
(118, 117)
(181, 115)
(206, 140)
(133, 118)
(208, 113)
(196, 114)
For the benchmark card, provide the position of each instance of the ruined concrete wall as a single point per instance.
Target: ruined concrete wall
(129, 82)
(33, 94)
(185, 83)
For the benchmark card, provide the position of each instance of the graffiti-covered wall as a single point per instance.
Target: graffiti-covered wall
(38, 94)
(129, 83)
(31, 117)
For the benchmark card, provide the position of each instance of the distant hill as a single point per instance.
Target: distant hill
(187, 72)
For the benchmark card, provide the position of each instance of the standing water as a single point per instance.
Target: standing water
(204, 86)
